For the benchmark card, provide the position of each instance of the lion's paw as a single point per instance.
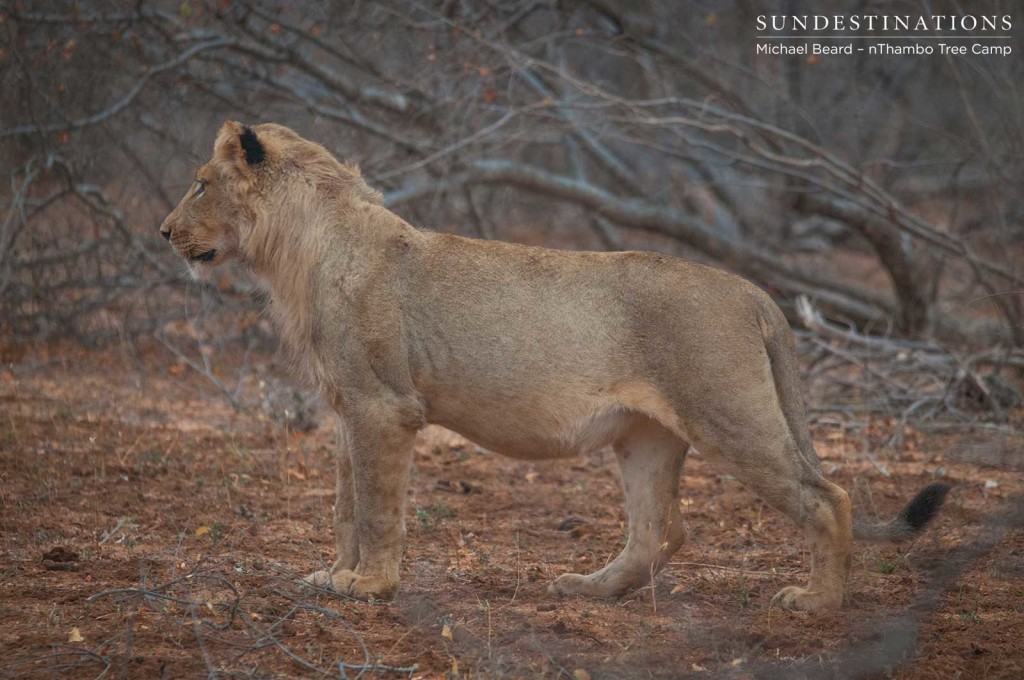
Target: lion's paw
(363, 587)
(569, 584)
(578, 584)
(319, 579)
(794, 597)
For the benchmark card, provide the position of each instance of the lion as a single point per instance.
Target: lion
(530, 352)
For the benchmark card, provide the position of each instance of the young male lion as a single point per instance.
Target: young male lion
(531, 352)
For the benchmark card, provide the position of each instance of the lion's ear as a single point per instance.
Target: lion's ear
(239, 146)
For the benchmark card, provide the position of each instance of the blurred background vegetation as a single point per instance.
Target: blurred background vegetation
(877, 198)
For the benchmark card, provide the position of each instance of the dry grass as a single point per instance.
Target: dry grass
(191, 522)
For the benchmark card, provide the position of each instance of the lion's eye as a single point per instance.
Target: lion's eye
(200, 188)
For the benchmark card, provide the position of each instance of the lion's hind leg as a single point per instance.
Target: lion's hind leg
(759, 450)
(651, 458)
(824, 512)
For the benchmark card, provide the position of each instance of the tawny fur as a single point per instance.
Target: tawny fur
(530, 352)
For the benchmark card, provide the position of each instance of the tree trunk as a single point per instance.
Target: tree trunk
(907, 269)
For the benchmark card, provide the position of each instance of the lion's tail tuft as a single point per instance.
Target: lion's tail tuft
(912, 519)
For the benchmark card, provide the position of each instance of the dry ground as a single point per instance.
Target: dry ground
(189, 522)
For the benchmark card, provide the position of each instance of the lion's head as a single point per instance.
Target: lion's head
(257, 174)
(205, 226)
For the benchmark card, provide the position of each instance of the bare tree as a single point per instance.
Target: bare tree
(608, 124)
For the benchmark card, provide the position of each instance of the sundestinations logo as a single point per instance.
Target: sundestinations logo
(884, 34)
(883, 22)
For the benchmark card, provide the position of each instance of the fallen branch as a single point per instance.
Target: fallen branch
(917, 380)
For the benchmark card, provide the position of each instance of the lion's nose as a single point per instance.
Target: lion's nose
(166, 233)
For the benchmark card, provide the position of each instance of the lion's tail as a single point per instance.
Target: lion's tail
(782, 356)
(781, 350)
(912, 519)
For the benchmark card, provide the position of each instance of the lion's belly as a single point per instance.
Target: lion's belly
(526, 432)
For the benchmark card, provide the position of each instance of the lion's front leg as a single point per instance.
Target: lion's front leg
(379, 434)
(346, 541)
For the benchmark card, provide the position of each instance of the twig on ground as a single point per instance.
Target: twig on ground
(720, 567)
